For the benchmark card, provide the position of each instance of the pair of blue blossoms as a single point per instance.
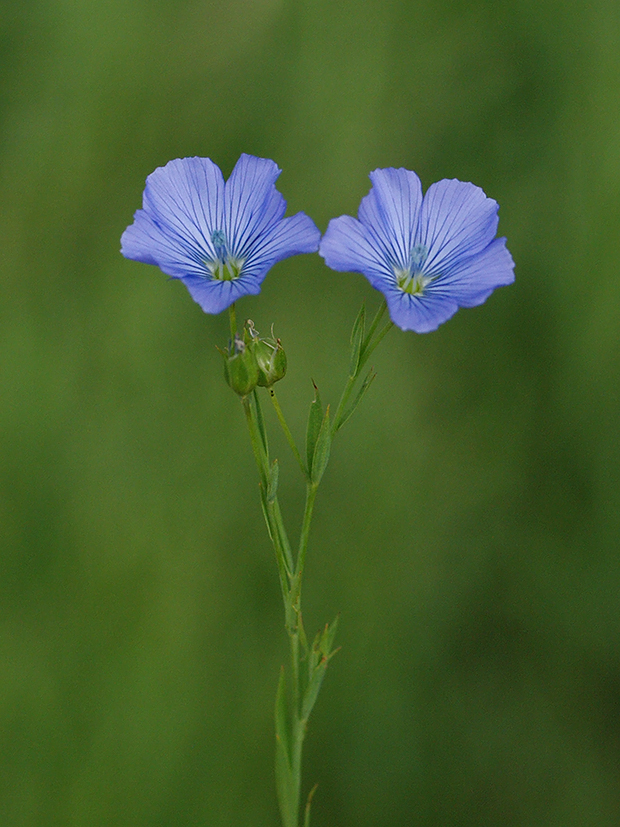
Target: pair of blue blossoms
(428, 255)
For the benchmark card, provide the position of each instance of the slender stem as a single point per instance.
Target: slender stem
(287, 432)
(273, 517)
(262, 461)
(232, 317)
(298, 726)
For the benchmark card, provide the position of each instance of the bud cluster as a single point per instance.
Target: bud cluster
(251, 360)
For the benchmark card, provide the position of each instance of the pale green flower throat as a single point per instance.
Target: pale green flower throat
(225, 267)
(412, 279)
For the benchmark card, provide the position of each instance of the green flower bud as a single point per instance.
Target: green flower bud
(271, 360)
(240, 367)
(269, 353)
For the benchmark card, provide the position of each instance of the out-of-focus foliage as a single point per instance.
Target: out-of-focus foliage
(467, 528)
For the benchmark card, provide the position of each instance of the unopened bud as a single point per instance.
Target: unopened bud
(240, 367)
(271, 360)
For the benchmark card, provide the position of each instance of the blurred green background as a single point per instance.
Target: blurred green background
(467, 529)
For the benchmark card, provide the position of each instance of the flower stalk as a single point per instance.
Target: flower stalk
(299, 686)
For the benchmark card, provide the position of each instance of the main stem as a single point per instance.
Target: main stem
(290, 581)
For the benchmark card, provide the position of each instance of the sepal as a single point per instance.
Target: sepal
(240, 367)
(270, 356)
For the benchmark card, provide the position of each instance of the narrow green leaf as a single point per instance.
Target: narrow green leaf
(314, 655)
(318, 659)
(315, 418)
(312, 691)
(370, 377)
(321, 450)
(263, 502)
(308, 805)
(272, 488)
(327, 638)
(357, 337)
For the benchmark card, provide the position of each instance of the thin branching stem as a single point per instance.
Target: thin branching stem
(287, 432)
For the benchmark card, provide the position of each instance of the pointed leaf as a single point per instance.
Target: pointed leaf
(314, 655)
(315, 418)
(312, 691)
(370, 377)
(263, 502)
(321, 450)
(321, 655)
(272, 488)
(308, 805)
(357, 337)
(327, 638)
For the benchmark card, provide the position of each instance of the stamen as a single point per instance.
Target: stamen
(218, 240)
(224, 267)
(411, 279)
(418, 256)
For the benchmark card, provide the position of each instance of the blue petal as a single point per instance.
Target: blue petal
(457, 221)
(288, 237)
(186, 199)
(390, 212)
(215, 295)
(346, 247)
(252, 203)
(473, 280)
(419, 313)
(146, 241)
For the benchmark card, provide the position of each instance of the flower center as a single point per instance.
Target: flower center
(412, 279)
(225, 267)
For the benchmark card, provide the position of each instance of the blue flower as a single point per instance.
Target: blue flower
(219, 239)
(428, 255)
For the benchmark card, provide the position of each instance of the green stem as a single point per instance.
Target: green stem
(273, 516)
(296, 635)
(287, 432)
(262, 460)
(232, 318)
